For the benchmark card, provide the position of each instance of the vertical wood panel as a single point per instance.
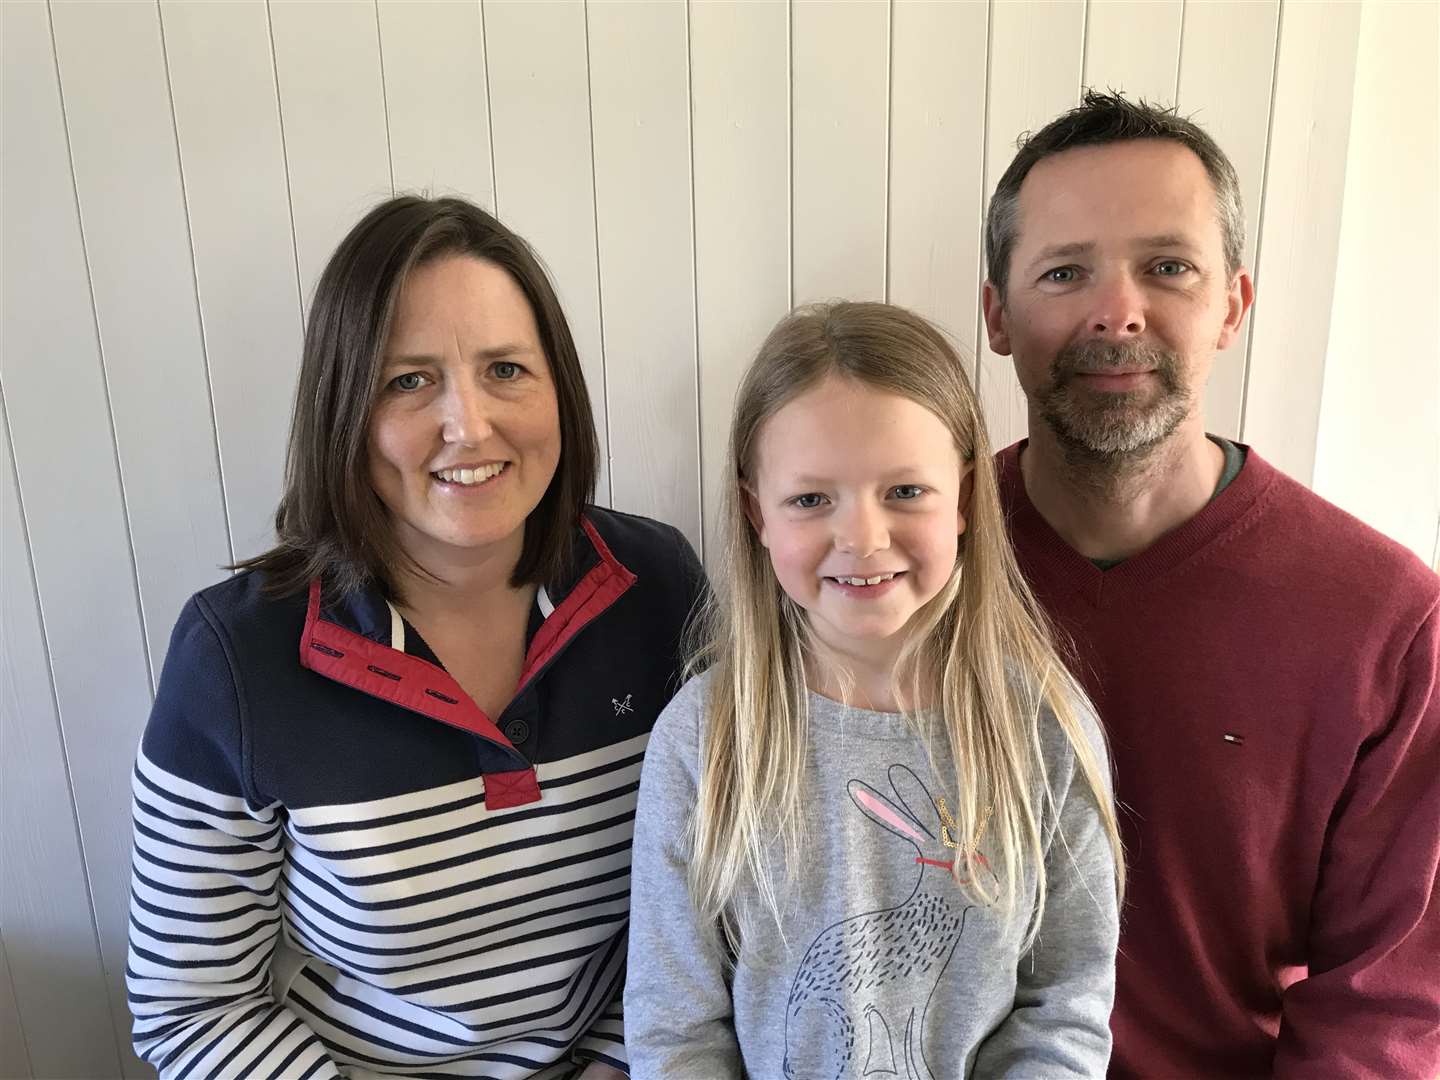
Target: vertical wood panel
(50, 940)
(1134, 45)
(937, 145)
(639, 86)
(1300, 231)
(840, 86)
(1227, 65)
(434, 61)
(332, 105)
(65, 457)
(231, 154)
(544, 179)
(14, 1060)
(1034, 73)
(132, 208)
(740, 88)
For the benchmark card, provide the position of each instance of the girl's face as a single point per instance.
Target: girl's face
(465, 434)
(859, 498)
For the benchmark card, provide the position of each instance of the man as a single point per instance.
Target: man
(1266, 666)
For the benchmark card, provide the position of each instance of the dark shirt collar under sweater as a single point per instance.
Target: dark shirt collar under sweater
(1049, 554)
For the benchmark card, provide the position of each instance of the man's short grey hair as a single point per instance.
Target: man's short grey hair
(1103, 118)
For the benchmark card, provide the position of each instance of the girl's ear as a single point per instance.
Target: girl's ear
(751, 504)
(967, 492)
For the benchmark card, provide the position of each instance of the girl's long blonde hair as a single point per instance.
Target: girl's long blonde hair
(978, 654)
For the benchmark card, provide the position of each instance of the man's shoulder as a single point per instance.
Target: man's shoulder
(1319, 541)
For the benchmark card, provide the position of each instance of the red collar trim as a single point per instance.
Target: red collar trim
(353, 660)
(605, 583)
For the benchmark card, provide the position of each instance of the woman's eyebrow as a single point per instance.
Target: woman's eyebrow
(494, 352)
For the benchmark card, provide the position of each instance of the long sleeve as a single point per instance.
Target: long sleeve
(1065, 983)
(1370, 1005)
(678, 1012)
(605, 1041)
(205, 906)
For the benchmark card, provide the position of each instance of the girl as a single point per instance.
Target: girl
(876, 836)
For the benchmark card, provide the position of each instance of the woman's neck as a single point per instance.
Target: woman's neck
(467, 581)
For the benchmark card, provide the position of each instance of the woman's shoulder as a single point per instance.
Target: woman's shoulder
(635, 539)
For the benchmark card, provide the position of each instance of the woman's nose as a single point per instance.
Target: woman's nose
(467, 416)
(1119, 310)
(861, 532)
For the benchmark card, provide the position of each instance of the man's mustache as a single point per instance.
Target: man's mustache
(1100, 357)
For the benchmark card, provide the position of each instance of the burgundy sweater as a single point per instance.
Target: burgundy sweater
(1267, 674)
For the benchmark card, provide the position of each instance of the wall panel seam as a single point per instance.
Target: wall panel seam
(889, 142)
(285, 161)
(384, 96)
(1084, 48)
(982, 338)
(5, 959)
(195, 280)
(489, 116)
(100, 351)
(599, 275)
(1260, 217)
(60, 729)
(790, 138)
(695, 281)
(1180, 54)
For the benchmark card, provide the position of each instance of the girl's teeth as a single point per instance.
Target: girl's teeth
(864, 581)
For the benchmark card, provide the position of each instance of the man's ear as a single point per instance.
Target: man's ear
(751, 505)
(1238, 301)
(967, 492)
(993, 304)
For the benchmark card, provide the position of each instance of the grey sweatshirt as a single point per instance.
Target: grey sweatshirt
(880, 965)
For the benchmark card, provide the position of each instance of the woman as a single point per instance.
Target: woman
(383, 804)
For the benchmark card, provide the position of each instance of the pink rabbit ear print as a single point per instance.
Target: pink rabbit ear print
(885, 813)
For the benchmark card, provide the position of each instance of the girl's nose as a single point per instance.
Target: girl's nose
(861, 531)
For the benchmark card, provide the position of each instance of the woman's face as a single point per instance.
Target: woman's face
(465, 433)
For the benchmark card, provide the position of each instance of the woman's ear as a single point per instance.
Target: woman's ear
(751, 504)
(967, 492)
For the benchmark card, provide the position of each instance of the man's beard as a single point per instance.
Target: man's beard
(1106, 425)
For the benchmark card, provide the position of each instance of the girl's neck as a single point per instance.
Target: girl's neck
(862, 681)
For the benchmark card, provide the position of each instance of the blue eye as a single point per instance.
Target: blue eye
(907, 491)
(1061, 275)
(408, 382)
(1170, 268)
(808, 501)
(506, 370)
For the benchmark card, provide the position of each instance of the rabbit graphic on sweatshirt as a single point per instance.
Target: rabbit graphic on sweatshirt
(882, 965)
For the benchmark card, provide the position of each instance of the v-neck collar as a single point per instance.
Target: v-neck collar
(1046, 552)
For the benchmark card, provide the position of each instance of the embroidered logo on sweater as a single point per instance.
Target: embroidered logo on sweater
(622, 706)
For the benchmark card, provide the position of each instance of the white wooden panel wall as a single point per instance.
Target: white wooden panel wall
(740, 119)
(176, 175)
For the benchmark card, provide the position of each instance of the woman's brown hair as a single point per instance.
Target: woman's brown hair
(331, 524)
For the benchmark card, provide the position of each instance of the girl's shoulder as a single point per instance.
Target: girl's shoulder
(680, 722)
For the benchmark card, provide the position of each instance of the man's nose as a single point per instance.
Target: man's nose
(861, 531)
(1119, 308)
(466, 416)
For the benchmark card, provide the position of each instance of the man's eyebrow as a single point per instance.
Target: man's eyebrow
(1165, 240)
(1063, 251)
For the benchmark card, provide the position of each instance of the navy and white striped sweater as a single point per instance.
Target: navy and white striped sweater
(343, 868)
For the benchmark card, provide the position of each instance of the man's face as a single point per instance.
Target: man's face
(1118, 295)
